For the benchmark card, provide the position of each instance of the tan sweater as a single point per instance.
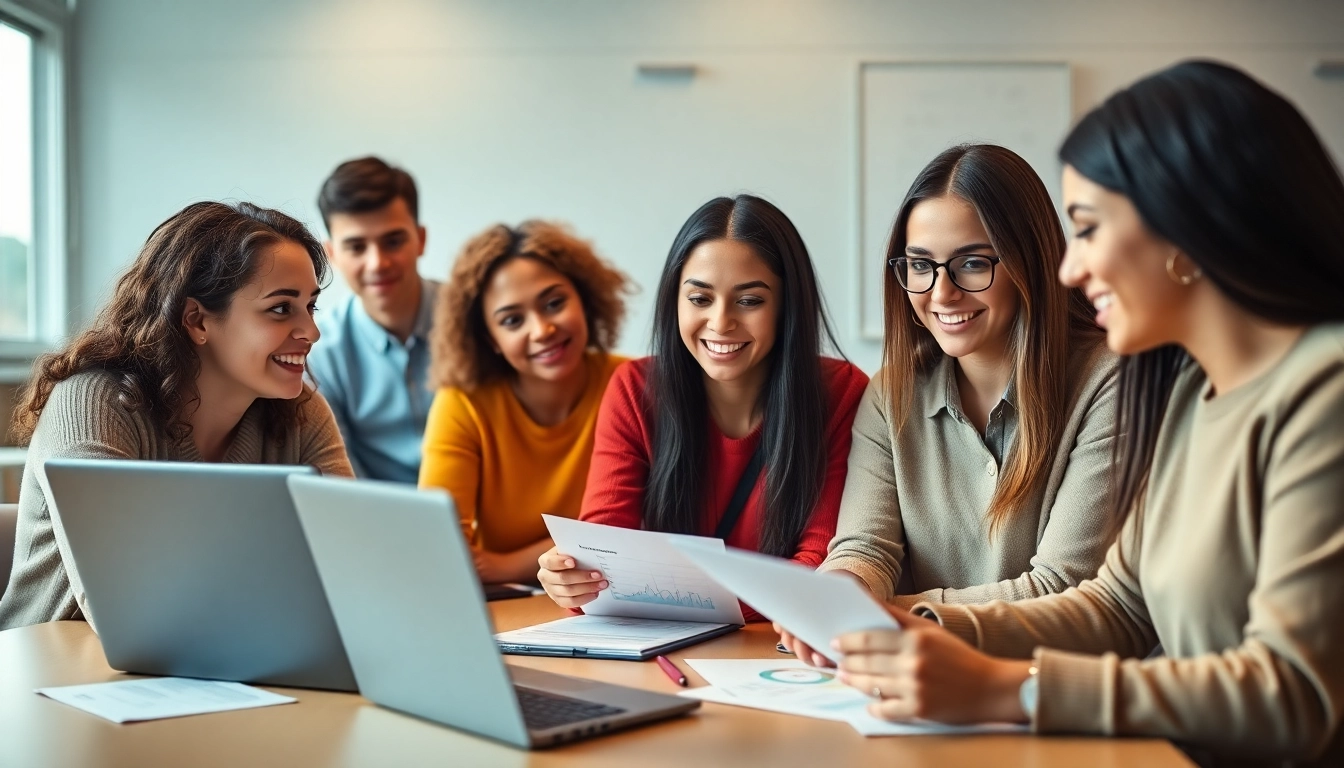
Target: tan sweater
(913, 519)
(1235, 565)
(84, 420)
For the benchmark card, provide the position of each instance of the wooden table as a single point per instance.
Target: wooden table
(335, 729)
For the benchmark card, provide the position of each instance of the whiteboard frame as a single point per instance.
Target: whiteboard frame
(864, 332)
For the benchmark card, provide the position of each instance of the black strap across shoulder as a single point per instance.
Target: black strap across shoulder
(739, 501)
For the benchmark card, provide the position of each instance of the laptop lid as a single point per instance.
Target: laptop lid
(408, 604)
(198, 570)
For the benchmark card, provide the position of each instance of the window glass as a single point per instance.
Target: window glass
(16, 184)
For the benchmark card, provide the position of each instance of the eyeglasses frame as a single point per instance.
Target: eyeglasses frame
(993, 270)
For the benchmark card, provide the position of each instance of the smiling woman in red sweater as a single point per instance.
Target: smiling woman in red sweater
(736, 387)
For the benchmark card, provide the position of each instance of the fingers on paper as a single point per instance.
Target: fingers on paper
(551, 560)
(870, 641)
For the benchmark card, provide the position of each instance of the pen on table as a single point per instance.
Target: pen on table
(670, 669)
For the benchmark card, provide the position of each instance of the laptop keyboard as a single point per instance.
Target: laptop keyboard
(543, 710)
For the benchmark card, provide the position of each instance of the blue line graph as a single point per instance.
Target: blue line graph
(652, 594)
(638, 581)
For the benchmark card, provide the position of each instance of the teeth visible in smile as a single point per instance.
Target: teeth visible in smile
(1103, 301)
(723, 349)
(290, 359)
(551, 352)
(956, 319)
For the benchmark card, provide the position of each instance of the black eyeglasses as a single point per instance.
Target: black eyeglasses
(971, 273)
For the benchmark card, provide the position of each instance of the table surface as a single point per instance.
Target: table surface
(338, 729)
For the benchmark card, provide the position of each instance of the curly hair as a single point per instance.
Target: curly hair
(207, 251)
(460, 341)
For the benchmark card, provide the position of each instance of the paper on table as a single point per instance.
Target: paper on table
(648, 577)
(816, 607)
(791, 687)
(156, 698)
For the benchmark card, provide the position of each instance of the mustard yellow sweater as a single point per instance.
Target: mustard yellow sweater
(502, 468)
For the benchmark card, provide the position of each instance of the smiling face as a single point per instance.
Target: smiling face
(536, 319)
(728, 309)
(1122, 267)
(259, 346)
(964, 324)
(376, 253)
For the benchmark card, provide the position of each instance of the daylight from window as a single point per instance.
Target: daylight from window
(16, 183)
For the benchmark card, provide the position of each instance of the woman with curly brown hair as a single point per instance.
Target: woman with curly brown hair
(199, 356)
(520, 345)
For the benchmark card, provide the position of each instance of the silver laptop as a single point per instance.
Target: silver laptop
(410, 609)
(199, 570)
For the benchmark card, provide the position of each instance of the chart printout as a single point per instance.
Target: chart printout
(649, 578)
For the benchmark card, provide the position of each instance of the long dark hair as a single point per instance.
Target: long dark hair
(794, 395)
(1231, 173)
(206, 251)
(1053, 322)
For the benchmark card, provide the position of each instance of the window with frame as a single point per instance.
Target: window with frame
(17, 308)
(34, 229)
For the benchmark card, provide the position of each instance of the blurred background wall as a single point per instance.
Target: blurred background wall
(510, 109)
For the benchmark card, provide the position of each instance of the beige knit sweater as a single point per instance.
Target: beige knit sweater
(913, 520)
(83, 419)
(1235, 565)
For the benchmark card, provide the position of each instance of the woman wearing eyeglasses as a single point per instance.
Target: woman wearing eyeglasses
(978, 469)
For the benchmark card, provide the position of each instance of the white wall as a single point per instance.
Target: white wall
(509, 109)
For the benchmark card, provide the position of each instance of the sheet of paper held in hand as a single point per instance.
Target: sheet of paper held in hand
(156, 698)
(815, 607)
(649, 578)
(794, 688)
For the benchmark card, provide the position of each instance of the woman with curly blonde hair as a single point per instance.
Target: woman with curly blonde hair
(521, 341)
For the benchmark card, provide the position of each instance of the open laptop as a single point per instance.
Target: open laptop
(400, 580)
(198, 570)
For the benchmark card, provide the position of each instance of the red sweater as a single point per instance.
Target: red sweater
(623, 446)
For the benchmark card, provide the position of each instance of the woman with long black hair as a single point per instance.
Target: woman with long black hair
(1209, 236)
(737, 391)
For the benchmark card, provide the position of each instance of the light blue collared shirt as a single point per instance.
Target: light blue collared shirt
(377, 387)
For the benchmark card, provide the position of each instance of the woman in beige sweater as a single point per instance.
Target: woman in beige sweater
(198, 357)
(1209, 235)
(981, 450)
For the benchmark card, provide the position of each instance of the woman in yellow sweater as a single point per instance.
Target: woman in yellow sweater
(520, 358)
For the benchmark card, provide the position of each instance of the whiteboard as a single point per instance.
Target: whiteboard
(908, 112)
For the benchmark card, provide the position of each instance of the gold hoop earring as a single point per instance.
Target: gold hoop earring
(1179, 278)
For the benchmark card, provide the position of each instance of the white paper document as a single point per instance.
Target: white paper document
(649, 577)
(816, 607)
(794, 688)
(156, 698)
(606, 636)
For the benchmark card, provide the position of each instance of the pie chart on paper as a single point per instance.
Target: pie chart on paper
(797, 676)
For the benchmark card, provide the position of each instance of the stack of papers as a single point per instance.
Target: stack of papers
(156, 698)
(794, 688)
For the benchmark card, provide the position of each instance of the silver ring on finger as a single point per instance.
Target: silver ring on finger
(877, 693)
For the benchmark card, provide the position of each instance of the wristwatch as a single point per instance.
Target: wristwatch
(1029, 692)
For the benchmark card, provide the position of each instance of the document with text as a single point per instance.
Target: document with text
(649, 577)
(157, 698)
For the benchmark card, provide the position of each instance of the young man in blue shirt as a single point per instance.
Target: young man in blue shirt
(372, 361)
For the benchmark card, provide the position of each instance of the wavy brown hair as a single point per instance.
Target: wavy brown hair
(1053, 322)
(206, 251)
(460, 342)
